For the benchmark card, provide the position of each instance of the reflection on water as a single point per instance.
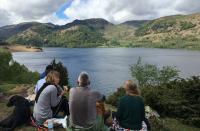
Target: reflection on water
(109, 67)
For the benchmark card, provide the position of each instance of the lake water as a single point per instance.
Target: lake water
(109, 67)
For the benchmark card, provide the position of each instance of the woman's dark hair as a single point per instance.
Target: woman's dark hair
(48, 69)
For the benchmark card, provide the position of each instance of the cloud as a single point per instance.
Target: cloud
(118, 11)
(188, 6)
(5, 20)
(54, 19)
(29, 10)
(115, 11)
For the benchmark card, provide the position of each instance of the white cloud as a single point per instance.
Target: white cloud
(117, 11)
(30, 10)
(4, 19)
(54, 19)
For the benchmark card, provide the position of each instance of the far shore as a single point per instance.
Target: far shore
(21, 48)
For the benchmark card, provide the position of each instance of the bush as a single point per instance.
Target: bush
(179, 98)
(58, 66)
(13, 72)
(20, 74)
(186, 25)
(5, 58)
(155, 26)
(114, 98)
(148, 74)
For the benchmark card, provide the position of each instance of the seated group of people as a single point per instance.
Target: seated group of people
(81, 108)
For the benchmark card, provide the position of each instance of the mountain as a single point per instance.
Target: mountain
(79, 33)
(178, 31)
(135, 23)
(10, 30)
(95, 23)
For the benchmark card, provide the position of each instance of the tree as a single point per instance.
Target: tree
(5, 58)
(148, 74)
(58, 66)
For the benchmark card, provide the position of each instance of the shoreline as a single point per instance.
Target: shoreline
(21, 48)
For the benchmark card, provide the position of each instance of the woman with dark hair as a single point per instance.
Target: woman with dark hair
(130, 112)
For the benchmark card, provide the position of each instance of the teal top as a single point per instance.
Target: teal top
(130, 112)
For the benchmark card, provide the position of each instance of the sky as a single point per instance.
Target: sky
(61, 12)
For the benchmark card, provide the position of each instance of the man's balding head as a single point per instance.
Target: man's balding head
(83, 79)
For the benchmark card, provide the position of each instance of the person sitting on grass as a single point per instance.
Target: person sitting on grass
(82, 105)
(130, 112)
(48, 98)
(42, 80)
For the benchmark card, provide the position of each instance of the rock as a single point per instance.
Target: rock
(1, 94)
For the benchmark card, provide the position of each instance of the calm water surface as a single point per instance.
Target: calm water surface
(109, 67)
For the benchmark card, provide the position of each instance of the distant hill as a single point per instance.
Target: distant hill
(95, 23)
(119, 35)
(178, 31)
(135, 23)
(10, 30)
(79, 33)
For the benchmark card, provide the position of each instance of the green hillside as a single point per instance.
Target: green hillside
(178, 31)
(81, 33)
(119, 35)
(75, 36)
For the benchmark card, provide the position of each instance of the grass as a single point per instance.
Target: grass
(6, 87)
(11, 89)
(170, 123)
(175, 125)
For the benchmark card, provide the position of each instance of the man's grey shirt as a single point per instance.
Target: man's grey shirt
(82, 106)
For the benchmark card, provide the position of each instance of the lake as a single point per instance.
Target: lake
(109, 67)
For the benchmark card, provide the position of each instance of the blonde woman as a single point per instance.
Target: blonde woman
(130, 112)
(47, 97)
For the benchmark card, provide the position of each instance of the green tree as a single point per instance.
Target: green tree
(5, 58)
(13, 72)
(148, 74)
(58, 66)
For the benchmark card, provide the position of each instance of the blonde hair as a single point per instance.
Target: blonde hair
(51, 77)
(131, 87)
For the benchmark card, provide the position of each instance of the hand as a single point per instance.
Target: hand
(65, 88)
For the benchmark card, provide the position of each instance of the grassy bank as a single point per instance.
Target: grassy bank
(170, 124)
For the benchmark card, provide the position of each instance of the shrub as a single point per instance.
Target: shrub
(63, 72)
(20, 74)
(186, 25)
(114, 98)
(179, 98)
(13, 72)
(148, 74)
(155, 26)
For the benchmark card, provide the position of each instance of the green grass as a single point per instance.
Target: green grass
(175, 125)
(6, 87)
(170, 123)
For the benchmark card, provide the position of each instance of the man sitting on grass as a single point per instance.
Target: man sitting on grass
(82, 105)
